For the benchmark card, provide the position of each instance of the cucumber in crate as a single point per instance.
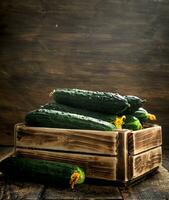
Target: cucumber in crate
(104, 102)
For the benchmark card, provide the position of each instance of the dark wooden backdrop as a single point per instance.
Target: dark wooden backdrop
(110, 45)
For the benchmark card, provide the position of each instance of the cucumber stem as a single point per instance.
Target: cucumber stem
(74, 179)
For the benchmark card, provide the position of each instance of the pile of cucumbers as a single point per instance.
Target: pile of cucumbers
(90, 110)
(76, 109)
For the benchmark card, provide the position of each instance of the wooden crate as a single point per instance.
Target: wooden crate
(120, 155)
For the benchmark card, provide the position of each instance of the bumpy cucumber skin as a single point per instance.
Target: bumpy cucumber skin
(105, 102)
(60, 107)
(135, 103)
(42, 170)
(132, 123)
(141, 114)
(58, 119)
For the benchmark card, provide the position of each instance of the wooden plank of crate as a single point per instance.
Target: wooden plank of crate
(87, 141)
(122, 163)
(95, 166)
(145, 139)
(144, 162)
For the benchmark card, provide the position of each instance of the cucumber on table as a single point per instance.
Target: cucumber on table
(48, 171)
(132, 123)
(105, 102)
(143, 115)
(114, 119)
(59, 119)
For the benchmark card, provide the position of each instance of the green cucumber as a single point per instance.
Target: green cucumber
(132, 123)
(42, 170)
(143, 115)
(59, 119)
(135, 103)
(105, 102)
(114, 119)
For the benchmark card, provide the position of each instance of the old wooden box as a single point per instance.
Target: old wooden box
(120, 155)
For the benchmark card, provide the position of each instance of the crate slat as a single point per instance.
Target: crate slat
(122, 163)
(145, 139)
(85, 141)
(144, 162)
(101, 167)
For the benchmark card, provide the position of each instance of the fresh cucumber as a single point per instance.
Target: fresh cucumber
(143, 115)
(105, 102)
(114, 119)
(59, 119)
(132, 123)
(42, 170)
(135, 103)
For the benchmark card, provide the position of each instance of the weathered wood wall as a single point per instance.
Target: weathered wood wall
(110, 45)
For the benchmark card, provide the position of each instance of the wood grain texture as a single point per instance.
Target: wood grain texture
(166, 158)
(119, 46)
(122, 165)
(84, 191)
(145, 139)
(20, 190)
(12, 189)
(85, 141)
(144, 162)
(156, 187)
(101, 167)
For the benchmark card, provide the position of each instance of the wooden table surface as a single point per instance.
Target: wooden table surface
(154, 187)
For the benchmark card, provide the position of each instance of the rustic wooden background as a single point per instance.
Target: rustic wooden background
(110, 45)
